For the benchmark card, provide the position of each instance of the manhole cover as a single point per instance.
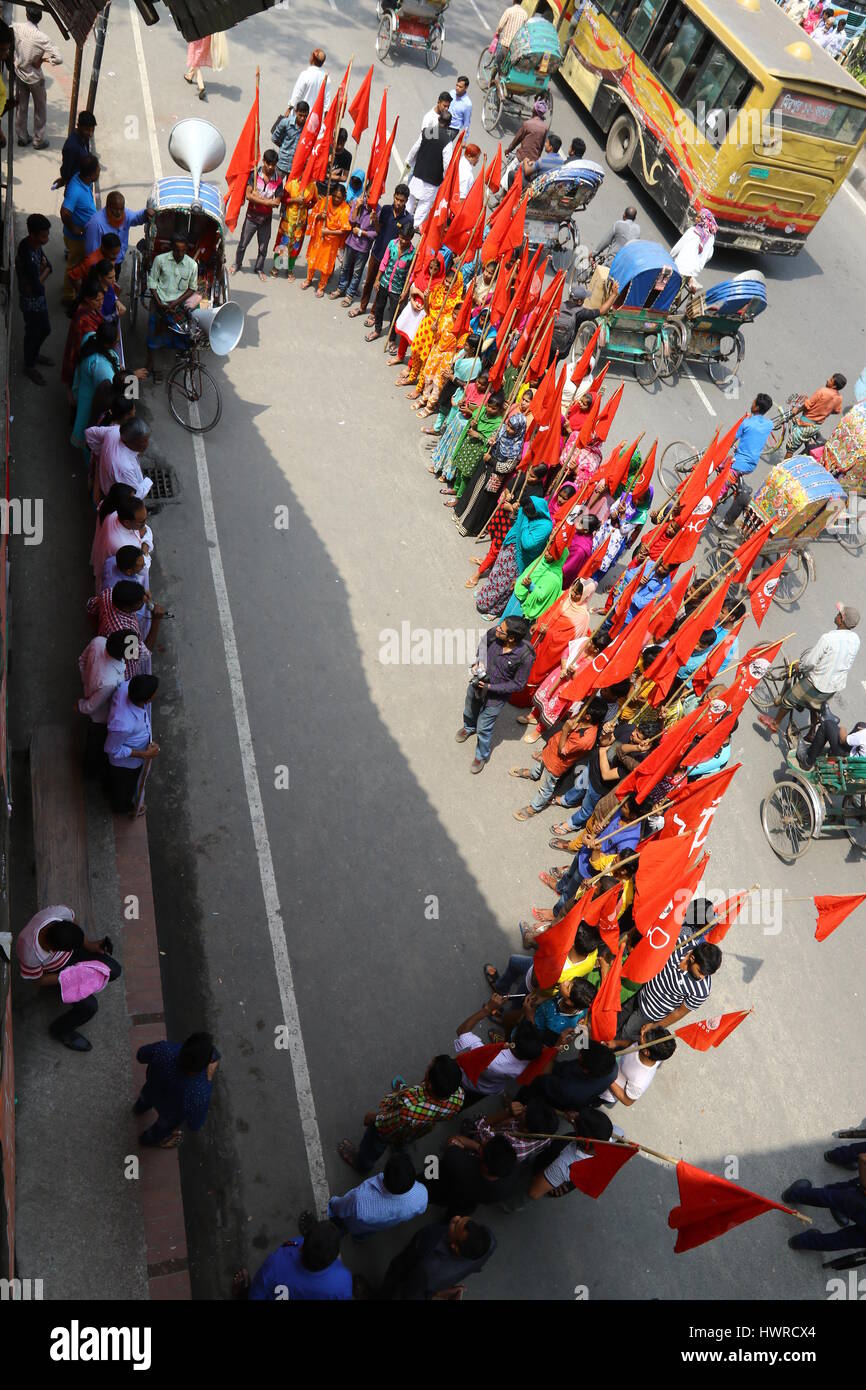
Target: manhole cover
(165, 488)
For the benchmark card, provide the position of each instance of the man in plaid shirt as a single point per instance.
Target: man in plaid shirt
(406, 1114)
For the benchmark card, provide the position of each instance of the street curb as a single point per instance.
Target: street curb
(159, 1187)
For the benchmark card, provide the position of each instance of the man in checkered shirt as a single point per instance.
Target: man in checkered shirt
(406, 1113)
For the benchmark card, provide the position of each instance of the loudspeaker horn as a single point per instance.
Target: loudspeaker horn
(223, 326)
(196, 146)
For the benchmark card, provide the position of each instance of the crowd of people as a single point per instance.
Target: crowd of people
(603, 634)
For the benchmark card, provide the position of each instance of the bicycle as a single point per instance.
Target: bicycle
(769, 692)
(190, 384)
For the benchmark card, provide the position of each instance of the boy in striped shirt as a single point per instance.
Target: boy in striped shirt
(684, 983)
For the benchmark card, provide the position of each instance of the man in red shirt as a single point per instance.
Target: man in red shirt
(562, 750)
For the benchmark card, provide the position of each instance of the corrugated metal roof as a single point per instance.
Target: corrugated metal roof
(194, 18)
(77, 17)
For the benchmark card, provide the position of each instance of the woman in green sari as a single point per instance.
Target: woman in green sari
(540, 584)
(475, 441)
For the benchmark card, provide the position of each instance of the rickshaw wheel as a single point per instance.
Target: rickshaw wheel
(484, 71)
(776, 436)
(492, 109)
(768, 692)
(725, 364)
(384, 38)
(854, 808)
(191, 384)
(621, 143)
(788, 820)
(667, 353)
(677, 461)
(433, 51)
(646, 367)
(793, 581)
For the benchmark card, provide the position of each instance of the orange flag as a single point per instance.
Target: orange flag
(748, 552)
(726, 915)
(475, 1060)
(726, 443)
(242, 163)
(833, 909)
(492, 246)
(605, 1008)
(710, 1032)
(603, 912)
(606, 416)
(582, 365)
(596, 383)
(763, 587)
(359, 108)
(493, 177)
(307, 138)
(710, 1206)
(662, 895)
(466, 220)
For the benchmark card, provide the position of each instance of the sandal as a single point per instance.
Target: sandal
(471, 584)
(356, 313)
(491, 975)
(564, 845)
(306, 285)
(320, 293)
(345, 301)
(528, 935)
(518, 772)
(335, 294)
(525, 813)
(564, 829)
(368, 321)
(371, 337)
(348, 1153)
(525, 718)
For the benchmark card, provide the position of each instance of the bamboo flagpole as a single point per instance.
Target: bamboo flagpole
(643, 1047)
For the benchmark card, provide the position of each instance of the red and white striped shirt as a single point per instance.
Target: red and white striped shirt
(33, 959)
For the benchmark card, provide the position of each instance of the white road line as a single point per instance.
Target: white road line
(276, 926)
(480, 15)
(333, 6)
(699, 388)
(155, 157)
(856, 198)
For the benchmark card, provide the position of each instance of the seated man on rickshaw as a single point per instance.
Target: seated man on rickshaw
(821, 672)
(830, 734)
(510, 21)
(173, 286)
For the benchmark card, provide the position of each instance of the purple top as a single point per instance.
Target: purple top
(363, 233)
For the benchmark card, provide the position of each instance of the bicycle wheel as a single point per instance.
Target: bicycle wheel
(484, 71)
(788, 820)
(435, 43)
(768, 692)
(383, 38)
(677, 461)
(723, 364)
(793, 581)
(191, 384)
(667, 353)
(776, 437)
(854, 810)
(646, 367)
(492, 109)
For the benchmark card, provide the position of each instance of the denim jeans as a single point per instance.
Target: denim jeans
(847, 1199)
(567, 885)
(513, 978)
(546, 790)
(353, 268)
(479, 716)
(574, 796)
(590, 800)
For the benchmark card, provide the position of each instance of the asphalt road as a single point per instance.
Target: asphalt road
(380, 815)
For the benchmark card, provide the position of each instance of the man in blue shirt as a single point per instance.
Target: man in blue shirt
(76, 148)
(385, 1199)
(301, 1270)
(286, 134)
(114, 217)
(178, 1086)
(657, 583)
(75, 212)
(389, 219)
(749, 444)
(461, 106)
(550, 158)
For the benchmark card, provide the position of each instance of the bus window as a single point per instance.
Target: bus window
(642, 23)
(682, 52)
(710, 83)
(664, 34)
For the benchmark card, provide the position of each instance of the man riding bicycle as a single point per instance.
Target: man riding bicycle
(821, 672)
(815, 409)
(749, 444)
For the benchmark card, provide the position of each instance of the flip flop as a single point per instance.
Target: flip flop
(518, 772)
(307, 285)
(525, 813)
(548, 880)
(564, 845)
(491, 974)
(543, 915)
(368, 321)
(348, 1153)
(335, 294)
(565, 828)
(356, 313)
(528, 935)
(345, 301)
(470, 584)
(371, 337)
(521, 718)
(320, 294)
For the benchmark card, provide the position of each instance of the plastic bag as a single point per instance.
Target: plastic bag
(219, 52)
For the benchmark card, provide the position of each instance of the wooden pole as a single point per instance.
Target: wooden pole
(76, 84)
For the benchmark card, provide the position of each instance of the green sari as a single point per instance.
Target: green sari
(539, 586)
(469, 451)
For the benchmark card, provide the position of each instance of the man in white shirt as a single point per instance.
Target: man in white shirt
(426, 159)
(467, 168)
(636, 1070)
(102, 665)
(823, 669)
(555, 1180)
(32, 49)
(309, 81)
(116, 449)
(509, 1064)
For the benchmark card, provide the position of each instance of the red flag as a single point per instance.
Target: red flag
(552, 946)
(663, 759)
(548, 443)
(748, 552)
(834, 909)
(710, 1206)
(751, 671)
(616, 467)
(596, 383)
(604, 1011)
(501, 295)
(660, 869)
(704, 676)
(493, 177)
(379, 138)
(380, 174)
(603, 913)
(763, 586)
(359, 110)
(593, 560)
(676, 653)
(710, 1032)
(592, 1175)
(490, 251)
(534, 1069)
(644, 477)
(653, 952)
(307, 138)
(695, 483)
(587, 429)
(541, 356)
(692, 815)
(582, 365)
(316, 167)
(497, 371)
(615, 663)
(606, 415)
(437, 219)
(668, 610)
(726, 915)
(512, 235)
(708, 746)
(461, 323)
(624, 602)
(475, 1060)
(691, 525)
(242, 163)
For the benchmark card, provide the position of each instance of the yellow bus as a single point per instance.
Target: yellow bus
(728, 106)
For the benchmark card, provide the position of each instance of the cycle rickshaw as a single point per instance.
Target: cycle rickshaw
(819, 801)
(711, 322)
(638, 328)
(554, 200)
(412, 24)
(523, 75)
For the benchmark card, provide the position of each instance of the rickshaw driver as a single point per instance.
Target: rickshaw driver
(510, 22)
(821, 672)
(173, 283)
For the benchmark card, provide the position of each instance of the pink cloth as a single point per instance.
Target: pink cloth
(80, 981)
(198, 54)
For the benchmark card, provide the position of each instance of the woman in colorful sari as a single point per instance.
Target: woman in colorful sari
(567, 619)
(444, 453)
(329, 226)
(437, 366)
(475, 442)
(86, 319)
(581, 544)
(501, 521)
(540, 584)
(635, 511)
(297, 203)
(525, 540)
(440, 299)
(549, 705)
(465, 367)
(493, 472)
(98, 361)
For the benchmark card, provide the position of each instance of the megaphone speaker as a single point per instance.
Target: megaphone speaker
(223, 326)
(196, 146)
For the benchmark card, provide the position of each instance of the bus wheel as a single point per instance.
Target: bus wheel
(621, 143)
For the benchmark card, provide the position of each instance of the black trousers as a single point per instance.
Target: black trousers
(84, 1010)
(37, 326)
(384, 307)
(262, 230)
(122, 786)
(95, 761)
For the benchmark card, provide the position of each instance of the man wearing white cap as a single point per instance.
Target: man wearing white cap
(822, 670)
